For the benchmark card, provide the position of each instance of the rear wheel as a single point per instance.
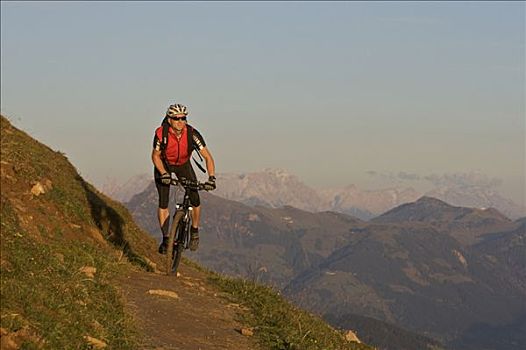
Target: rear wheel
(173, 257)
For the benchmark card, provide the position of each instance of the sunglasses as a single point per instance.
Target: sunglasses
(178, 118)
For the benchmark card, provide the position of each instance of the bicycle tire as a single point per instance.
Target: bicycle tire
(177, 258)
(170, 254)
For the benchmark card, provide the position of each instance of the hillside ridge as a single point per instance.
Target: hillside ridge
(77, 272)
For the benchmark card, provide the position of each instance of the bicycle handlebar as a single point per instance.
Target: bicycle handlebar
(188, 184)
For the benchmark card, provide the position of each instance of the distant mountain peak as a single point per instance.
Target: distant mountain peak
(277, 171)
(468, 225)
(425, 209)
(427, 200)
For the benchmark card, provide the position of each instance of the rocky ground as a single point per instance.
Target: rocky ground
(183, 313)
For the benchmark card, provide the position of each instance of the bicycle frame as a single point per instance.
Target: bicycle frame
(179, 235)
(182, 236)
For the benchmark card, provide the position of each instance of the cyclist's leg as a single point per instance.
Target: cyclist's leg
(164, 220)
(163, 213)
(196, 216)
(188, 172)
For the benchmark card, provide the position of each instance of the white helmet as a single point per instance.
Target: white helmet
(176, 109)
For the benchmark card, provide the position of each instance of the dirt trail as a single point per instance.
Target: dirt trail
(194, 318)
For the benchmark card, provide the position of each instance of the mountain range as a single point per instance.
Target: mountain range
(447, 272)
(276, 188)
(123, 191)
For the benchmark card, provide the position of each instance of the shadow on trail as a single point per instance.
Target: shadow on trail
(111, 224)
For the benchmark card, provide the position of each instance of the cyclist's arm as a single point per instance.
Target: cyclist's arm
(156, 154)
(210, 165)
(157, 161)
(199, 144)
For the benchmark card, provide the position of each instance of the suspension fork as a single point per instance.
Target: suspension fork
(187, 218)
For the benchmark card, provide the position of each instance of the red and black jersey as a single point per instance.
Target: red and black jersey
(178, 151)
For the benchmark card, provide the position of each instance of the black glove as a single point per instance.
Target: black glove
(166, 179)
(211, 183)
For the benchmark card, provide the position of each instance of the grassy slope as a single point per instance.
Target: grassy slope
(48, 302)
(279, 324)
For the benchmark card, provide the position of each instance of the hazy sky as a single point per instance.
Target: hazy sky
(331, 91)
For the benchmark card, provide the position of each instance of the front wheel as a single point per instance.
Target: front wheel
(177, 258)
(173, 257)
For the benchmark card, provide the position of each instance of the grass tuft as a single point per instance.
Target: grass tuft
(277, 323)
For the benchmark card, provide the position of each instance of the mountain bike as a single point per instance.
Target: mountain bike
(179, 234)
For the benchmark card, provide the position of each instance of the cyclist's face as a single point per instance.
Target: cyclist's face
(177, 124)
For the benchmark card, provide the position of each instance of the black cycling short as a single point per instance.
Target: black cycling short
(181, 171)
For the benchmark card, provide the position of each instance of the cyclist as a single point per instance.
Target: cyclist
(171, 153)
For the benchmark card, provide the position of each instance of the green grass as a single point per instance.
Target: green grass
(45, 298)
(74, 209)
(277, 323)
(44, 292)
